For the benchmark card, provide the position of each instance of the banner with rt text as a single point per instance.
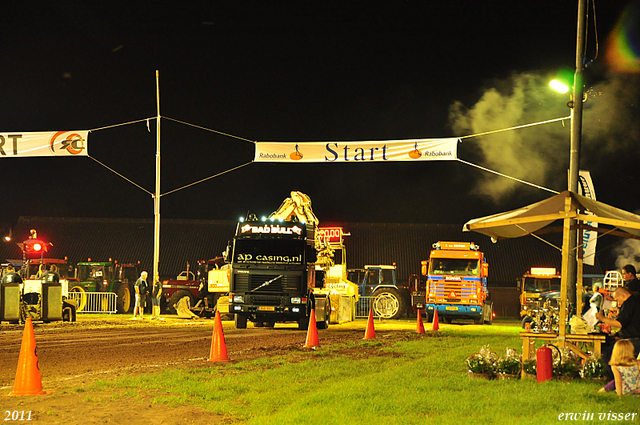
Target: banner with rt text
(355, 152)
(589, 237)
(50, 143)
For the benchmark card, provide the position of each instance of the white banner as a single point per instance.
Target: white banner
(356, 152)
(50, 143)
(589, 237)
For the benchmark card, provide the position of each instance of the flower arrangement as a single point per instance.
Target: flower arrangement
(529, 367)
(482, 363)
(510, 364)
(478, 364)
(566, 365)
(593, 368)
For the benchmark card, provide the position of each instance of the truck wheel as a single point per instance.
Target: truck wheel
(176, 297)
(80, 295)
(387, 303)
(123, 300)
(241, 321)
(303, 324)
(478, 320)
(327, 311)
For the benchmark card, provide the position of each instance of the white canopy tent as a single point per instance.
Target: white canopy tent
(564, 206)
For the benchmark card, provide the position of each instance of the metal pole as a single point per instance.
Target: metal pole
(576, 140)
(156, 197)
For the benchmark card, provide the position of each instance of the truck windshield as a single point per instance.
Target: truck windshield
(268, 251)
(454, 266)
(537, 285)
(86, 273)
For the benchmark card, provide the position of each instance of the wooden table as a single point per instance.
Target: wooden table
(529, 341)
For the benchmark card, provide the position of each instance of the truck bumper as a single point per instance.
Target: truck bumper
(283, 312)
(471, 311)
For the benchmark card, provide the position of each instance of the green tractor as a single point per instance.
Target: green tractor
(107, 276)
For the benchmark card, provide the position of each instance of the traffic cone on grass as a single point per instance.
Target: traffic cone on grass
(28, 379)
(435, 325)
(419, 324)
(218, 346)
(370, 333)
(312, 332)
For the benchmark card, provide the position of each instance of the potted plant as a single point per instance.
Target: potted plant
(479, 367)
(593, 369)
(566, 370)
(509, 366)
(529, 369)
(482, 364)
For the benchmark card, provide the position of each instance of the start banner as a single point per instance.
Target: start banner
(356, 152)
(51, 143)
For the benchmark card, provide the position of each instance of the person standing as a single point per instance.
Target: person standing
(11, 276)
(597, 298)
(52, 274)
(156, 294)
(141, 288)
(631, 282)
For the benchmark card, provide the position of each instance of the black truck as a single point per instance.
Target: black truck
(273, 274)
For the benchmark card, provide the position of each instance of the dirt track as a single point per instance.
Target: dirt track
(71, 356)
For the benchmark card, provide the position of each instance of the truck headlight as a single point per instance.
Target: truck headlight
(296, 300)
(295, 309)
(238, 299)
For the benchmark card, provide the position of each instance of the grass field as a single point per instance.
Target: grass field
(403, 378)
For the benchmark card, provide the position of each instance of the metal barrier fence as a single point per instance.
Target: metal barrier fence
(94, 302)
(363, 306)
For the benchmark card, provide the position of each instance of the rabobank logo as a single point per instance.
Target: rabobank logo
(67, 143)
(264, 155)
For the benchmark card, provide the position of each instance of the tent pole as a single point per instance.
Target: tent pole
(156, 197)
(576, 139)
(566, 232)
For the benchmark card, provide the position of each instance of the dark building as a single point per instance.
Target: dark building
(182, 241)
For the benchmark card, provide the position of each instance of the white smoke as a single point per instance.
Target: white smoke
(540, 154)
(628, 252)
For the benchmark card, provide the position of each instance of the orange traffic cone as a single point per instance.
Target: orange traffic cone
(218, 346)
(436, 325)
(370, 333)
(28, 380)
(312, 332)
(419, 324)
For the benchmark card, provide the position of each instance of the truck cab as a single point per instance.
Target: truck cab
(456, 283)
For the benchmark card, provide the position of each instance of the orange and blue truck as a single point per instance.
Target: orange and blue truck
(453, 282)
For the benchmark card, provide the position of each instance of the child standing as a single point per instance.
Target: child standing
(626, 371)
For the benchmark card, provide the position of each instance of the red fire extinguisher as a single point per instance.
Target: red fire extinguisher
(544, 364)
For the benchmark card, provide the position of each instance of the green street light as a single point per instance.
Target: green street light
(559, 86)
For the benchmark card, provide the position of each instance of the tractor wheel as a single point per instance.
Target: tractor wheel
(68, 312)
(241, 321)
(387, 303)
(123, 300)
(176, 297)
(81, 297)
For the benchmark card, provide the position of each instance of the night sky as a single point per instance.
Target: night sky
(308, 71)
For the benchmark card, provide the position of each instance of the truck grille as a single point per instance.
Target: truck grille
(464, 290)
(244, 282)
